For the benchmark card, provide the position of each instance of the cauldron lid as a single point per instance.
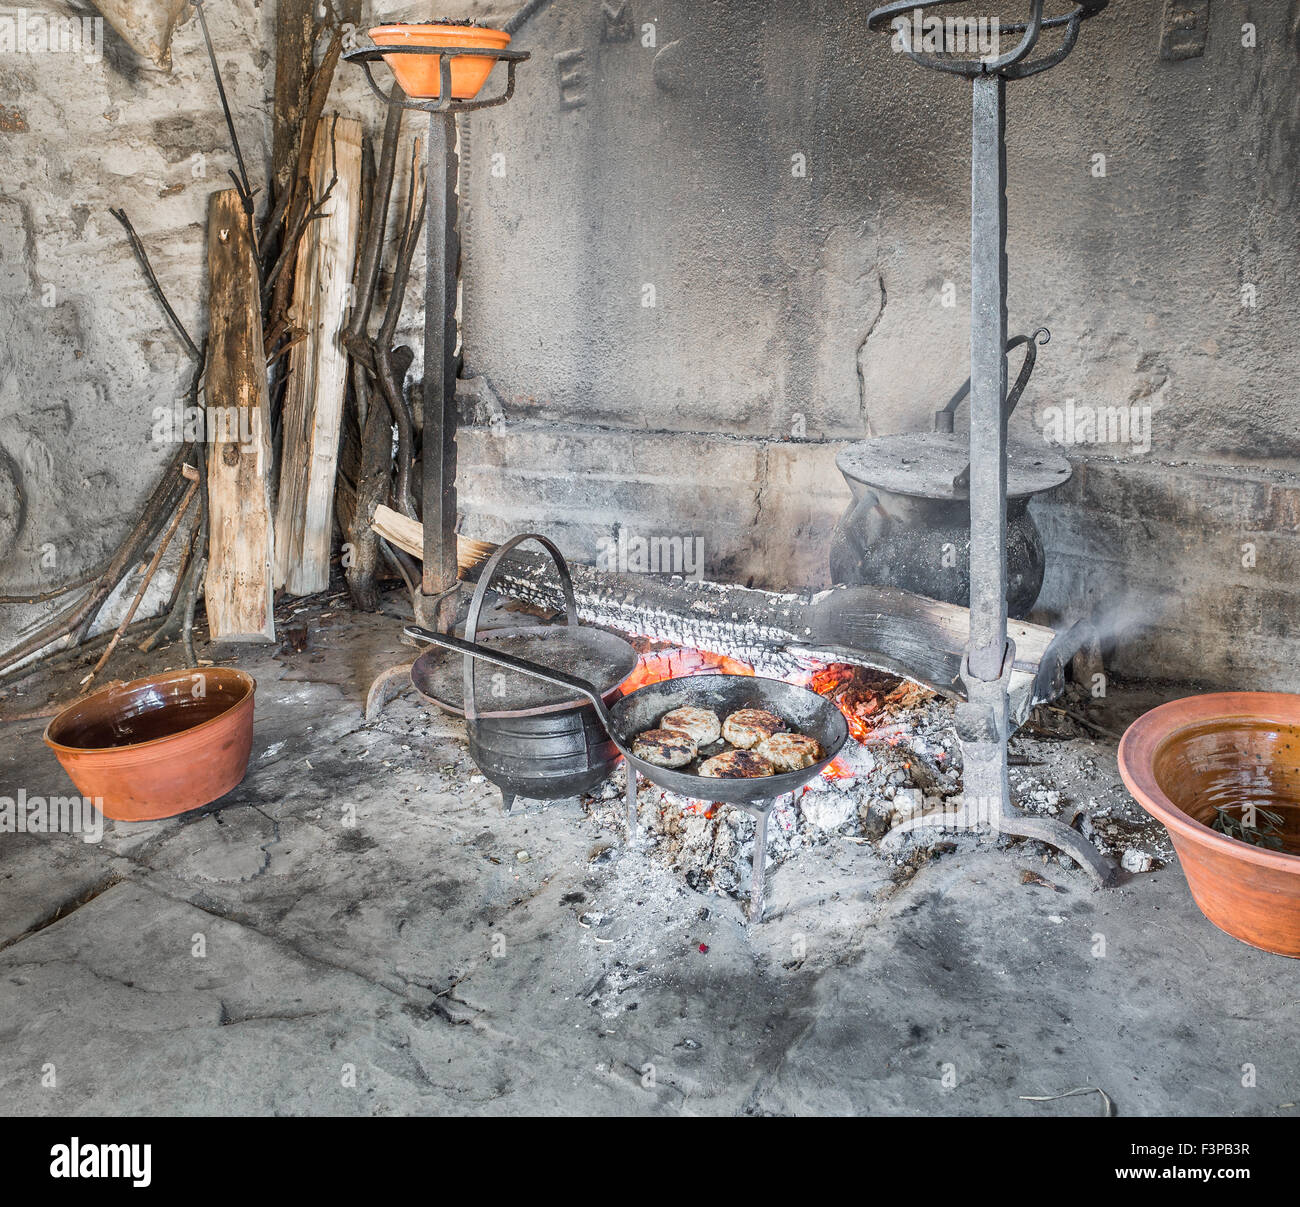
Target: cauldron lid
(925, 464)
(603, 659)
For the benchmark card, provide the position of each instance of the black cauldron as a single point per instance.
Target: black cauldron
(908, 524)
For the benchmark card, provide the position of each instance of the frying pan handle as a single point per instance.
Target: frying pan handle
(522, 665)
(480, 595)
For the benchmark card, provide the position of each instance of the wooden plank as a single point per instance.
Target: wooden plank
(318, 364)
(237, 588)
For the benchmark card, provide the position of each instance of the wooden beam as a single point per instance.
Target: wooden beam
(237, 589)
(318, 364)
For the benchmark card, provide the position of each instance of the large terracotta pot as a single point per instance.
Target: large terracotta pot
(1234, 749)
(418, 74)
(159, 746)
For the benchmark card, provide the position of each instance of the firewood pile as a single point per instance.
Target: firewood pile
(297, 385)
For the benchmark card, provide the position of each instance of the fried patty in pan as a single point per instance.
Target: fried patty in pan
(664, 747)
(736, 765)
(746, 728)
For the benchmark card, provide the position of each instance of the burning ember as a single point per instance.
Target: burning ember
(843, 684)
(656, 665)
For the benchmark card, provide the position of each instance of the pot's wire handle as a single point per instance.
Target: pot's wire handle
(943, 418)
(486, 653)
(480, 596)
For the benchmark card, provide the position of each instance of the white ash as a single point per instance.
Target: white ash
(911, 761)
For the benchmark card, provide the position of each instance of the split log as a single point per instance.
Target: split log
(237, 589)
(318, 365)
(911, 635)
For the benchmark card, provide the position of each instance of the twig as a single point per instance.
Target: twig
(85, 580)
(242, 185)
(1107, 1109)
(177, 609)
(75, 621)
(142, 258)
(148, 578)
(1082, 720)
(389, 382)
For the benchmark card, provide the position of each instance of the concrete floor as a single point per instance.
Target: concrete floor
(417, 963)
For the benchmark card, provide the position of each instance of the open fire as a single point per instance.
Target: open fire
(870, 700)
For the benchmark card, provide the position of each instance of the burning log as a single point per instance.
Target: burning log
(777, 634)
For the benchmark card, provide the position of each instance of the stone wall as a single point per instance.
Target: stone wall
(710, 241)
(799, 207)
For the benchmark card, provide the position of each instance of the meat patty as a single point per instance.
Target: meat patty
(664, 747)
(790, 751)
(750, 726)
(736, 765)
(700, 723)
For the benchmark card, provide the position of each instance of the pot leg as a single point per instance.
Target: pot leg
(507, 801)
(760, 866)
(631, 802)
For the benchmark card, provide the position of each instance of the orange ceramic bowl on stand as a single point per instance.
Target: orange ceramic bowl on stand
(1231, 749)
(159, 746)
(418, 74)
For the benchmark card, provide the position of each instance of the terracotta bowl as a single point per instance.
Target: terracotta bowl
(160, 746)
(1231, 749)
(418, 74)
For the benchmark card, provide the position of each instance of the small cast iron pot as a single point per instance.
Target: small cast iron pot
(528, 737)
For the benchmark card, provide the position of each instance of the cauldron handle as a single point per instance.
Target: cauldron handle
(523, 666)
(480, 595)
(943, 419)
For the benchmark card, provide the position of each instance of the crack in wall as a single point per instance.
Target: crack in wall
(862, 344)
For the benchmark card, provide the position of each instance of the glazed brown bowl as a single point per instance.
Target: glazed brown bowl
(1231, 749)
(159, 746)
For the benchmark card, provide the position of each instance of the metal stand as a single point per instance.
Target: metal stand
(983, 721)
(436, 601)
(760, 813)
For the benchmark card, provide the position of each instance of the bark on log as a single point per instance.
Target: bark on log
(318, 365)
(238, 589)
(376, 467)
(295, 40)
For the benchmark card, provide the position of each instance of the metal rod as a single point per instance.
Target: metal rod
(439, 450)
(760, 867)
(631, 801)
(988, 339)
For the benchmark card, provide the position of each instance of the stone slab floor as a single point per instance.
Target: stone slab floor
(354, 931)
